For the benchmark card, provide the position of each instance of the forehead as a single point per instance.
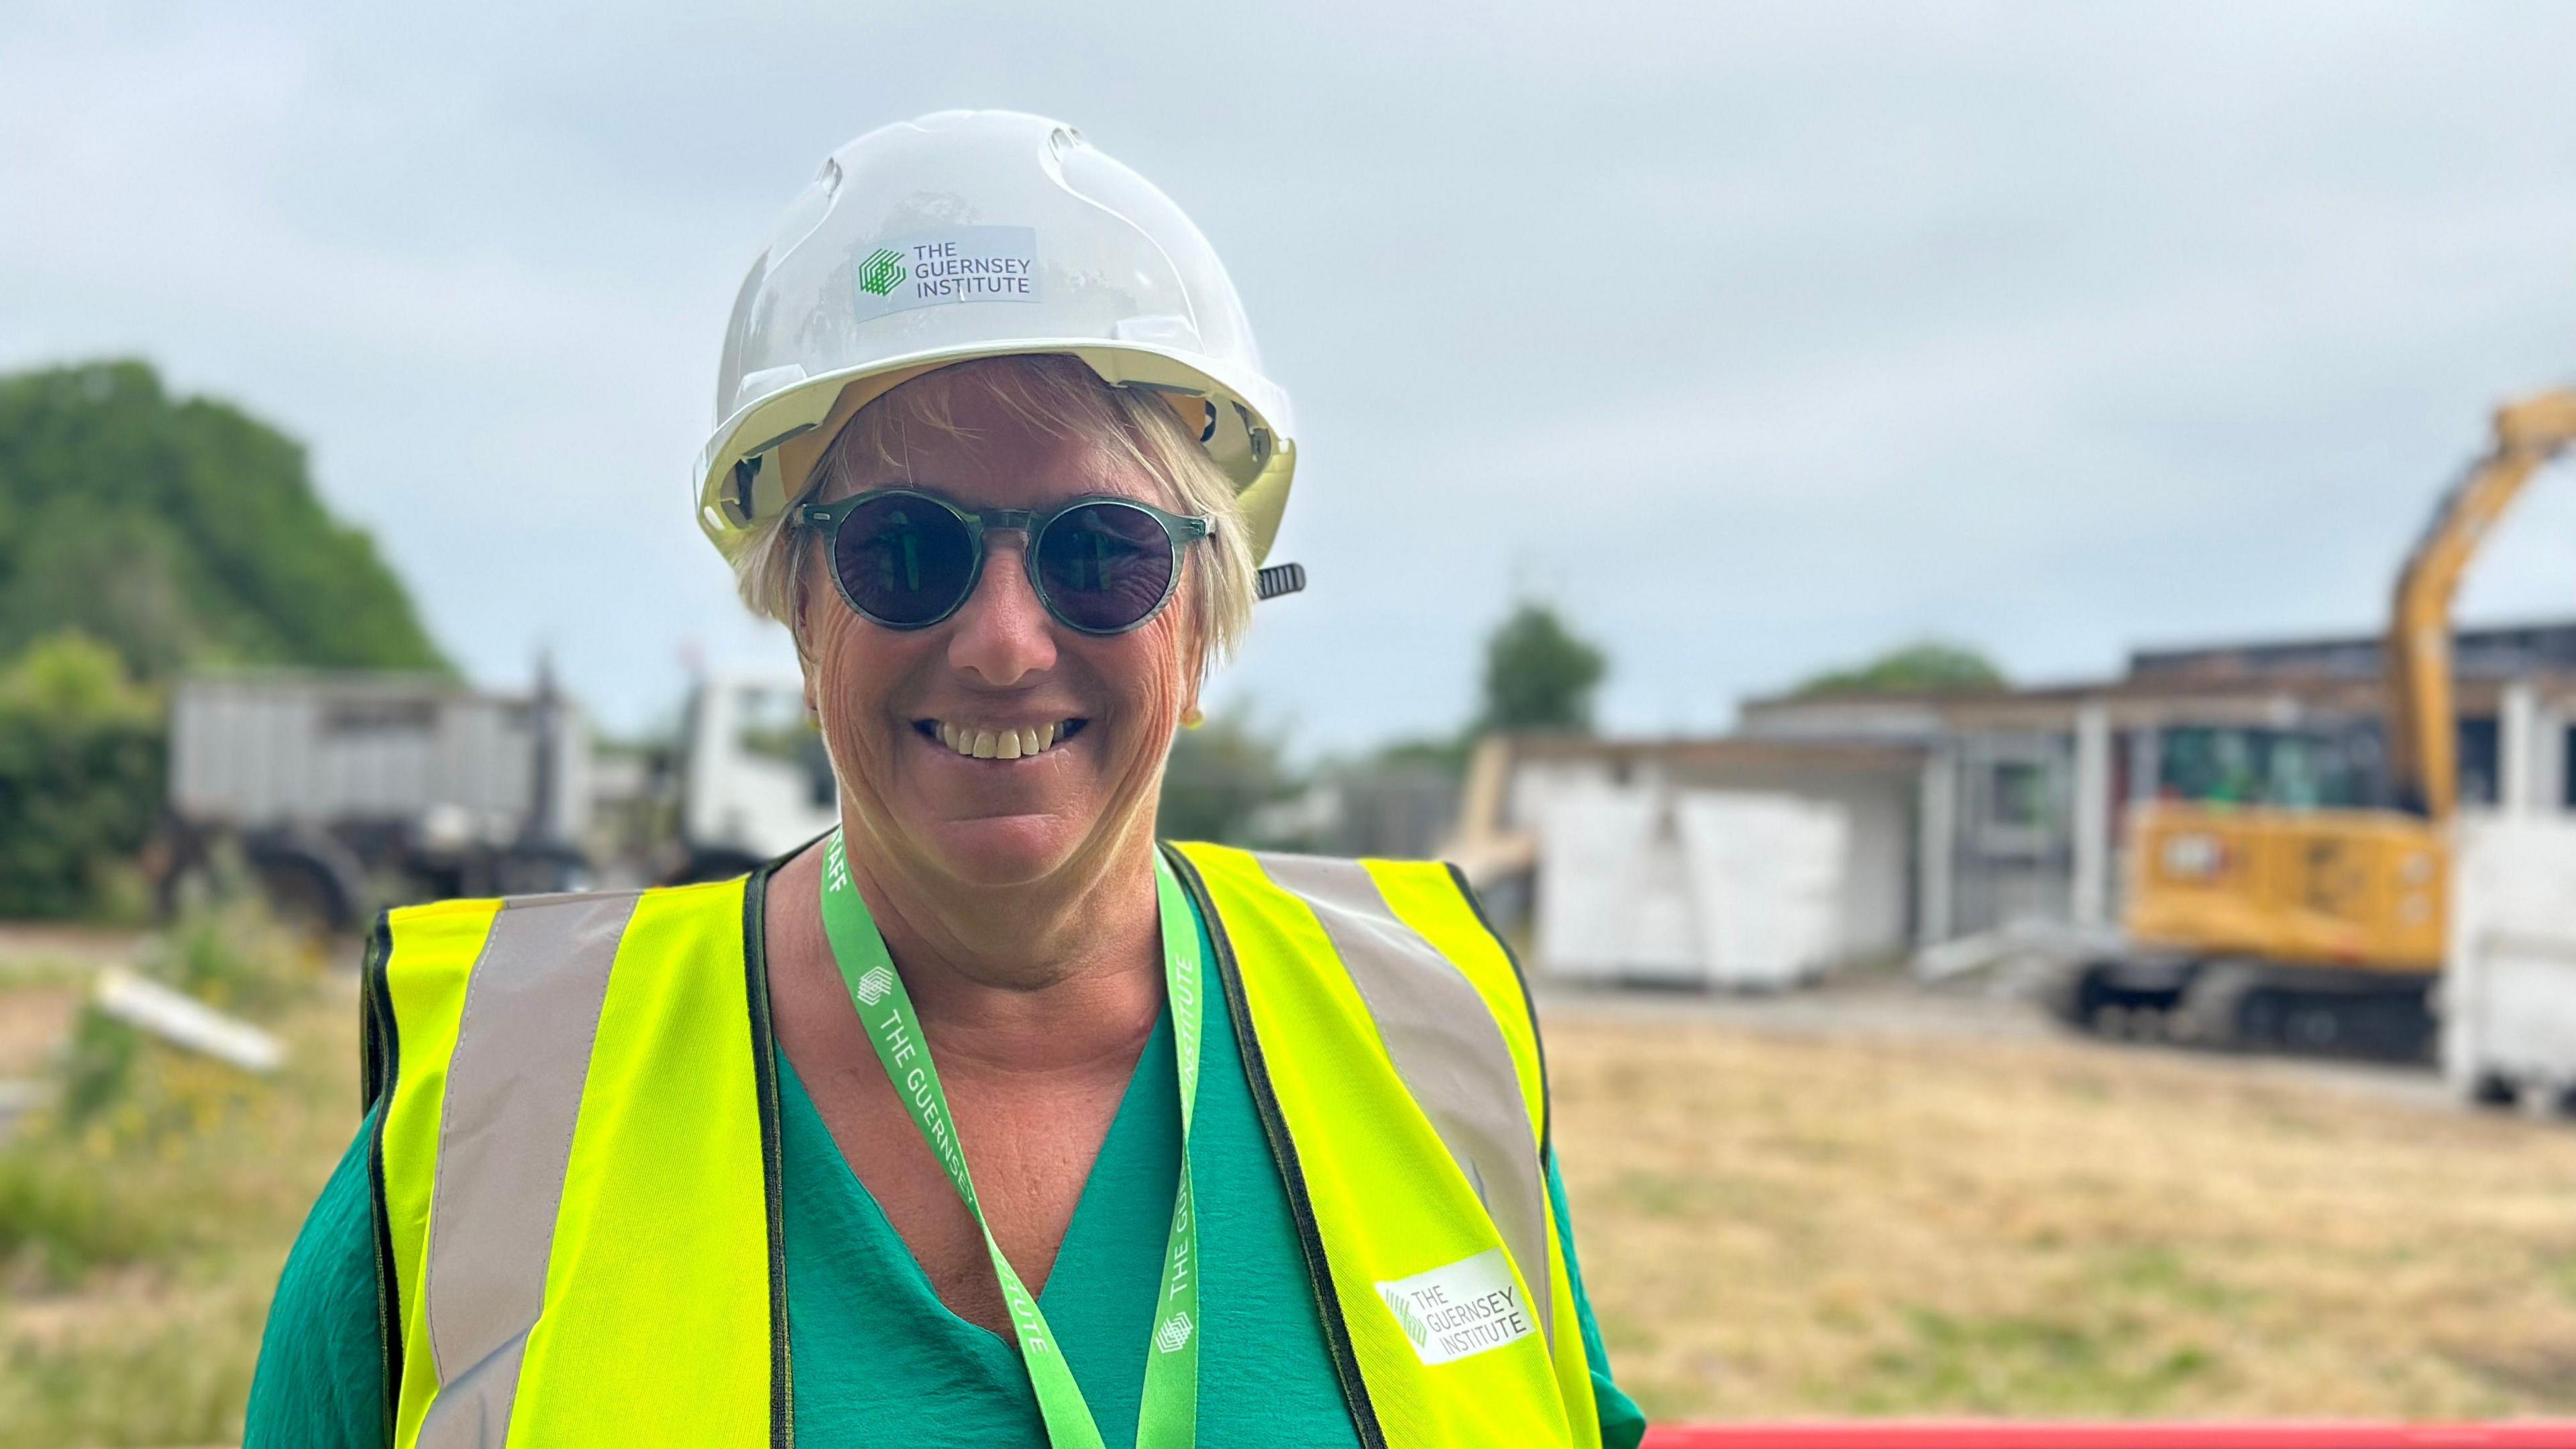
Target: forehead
(982, 441)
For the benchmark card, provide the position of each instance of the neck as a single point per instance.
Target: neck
(1058, 975)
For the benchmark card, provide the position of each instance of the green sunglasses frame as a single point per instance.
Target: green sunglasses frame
(1180, 530)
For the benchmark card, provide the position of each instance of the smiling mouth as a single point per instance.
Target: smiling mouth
(999, 744)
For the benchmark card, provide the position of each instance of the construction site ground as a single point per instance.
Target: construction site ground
(1873, 1199)
(1860, 1200)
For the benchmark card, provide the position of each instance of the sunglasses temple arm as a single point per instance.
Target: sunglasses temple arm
(1278, 579)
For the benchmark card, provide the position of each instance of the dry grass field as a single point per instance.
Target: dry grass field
(1789, 1226)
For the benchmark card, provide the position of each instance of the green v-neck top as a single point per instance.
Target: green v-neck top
(877, 1359)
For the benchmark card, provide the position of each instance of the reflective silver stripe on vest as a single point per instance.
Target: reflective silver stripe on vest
(505, 1134)
(1446, 1046)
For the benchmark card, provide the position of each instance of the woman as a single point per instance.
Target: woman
(982, 1120)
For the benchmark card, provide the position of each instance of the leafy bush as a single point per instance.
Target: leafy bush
(82, 749)
(97, 1070)
(232, 955)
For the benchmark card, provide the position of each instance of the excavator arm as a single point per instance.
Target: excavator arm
(2423, 730)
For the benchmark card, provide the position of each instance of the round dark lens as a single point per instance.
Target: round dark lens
(1105, 566)
(904, 561)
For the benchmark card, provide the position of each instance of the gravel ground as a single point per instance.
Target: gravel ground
(1896, 1009)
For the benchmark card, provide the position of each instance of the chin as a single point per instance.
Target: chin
(1002, 850)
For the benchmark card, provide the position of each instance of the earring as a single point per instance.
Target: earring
(1191, 718)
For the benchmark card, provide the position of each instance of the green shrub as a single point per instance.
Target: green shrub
(98, 1068)
(231, 954)
(82, 750)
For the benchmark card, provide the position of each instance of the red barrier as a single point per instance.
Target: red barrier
(1974, 1434)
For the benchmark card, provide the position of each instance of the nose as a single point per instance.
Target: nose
(1001, 633)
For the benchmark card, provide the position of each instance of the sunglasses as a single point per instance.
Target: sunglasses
(907, 560)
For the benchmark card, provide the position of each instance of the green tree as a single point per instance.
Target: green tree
(81, 755)
(1930, 667)
(180, 532)
(1538, 674)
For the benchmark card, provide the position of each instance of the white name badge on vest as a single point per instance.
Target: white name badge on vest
(1462, 1309)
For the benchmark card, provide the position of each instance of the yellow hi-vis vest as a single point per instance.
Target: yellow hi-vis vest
(576, 1168)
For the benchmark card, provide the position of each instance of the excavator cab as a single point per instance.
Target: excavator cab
(2338, 766)
(2275, 897)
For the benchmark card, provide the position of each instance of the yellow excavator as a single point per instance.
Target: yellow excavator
(2319, 927)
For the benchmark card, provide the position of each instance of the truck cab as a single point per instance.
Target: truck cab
(755, 782)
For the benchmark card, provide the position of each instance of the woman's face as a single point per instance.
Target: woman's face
(891, 702)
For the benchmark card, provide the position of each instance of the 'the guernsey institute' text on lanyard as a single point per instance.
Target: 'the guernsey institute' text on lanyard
(1167, 1418)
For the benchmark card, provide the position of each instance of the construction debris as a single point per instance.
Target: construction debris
(185, 1022)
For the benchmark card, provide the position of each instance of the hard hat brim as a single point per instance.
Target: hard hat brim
(1256, 448)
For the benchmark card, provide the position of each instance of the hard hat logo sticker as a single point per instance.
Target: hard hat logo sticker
(953, 265)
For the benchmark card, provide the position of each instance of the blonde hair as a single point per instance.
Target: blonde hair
(1064, 397)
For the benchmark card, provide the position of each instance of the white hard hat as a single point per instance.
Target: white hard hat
(979, 234)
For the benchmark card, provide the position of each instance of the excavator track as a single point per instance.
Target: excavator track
(2248, 1006)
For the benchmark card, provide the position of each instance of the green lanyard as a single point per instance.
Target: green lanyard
(1167, 1418)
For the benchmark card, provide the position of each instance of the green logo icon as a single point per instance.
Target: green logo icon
(874, 985)
(882, 272)
(1414, 1328)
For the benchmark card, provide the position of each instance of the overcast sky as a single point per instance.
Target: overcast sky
(1759, 338)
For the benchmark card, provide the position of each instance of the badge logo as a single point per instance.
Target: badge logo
(1174, 1332)
(882, 272)
(1406, 1319)
(874, 985)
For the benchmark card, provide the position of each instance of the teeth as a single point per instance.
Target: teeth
(1009, 744)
